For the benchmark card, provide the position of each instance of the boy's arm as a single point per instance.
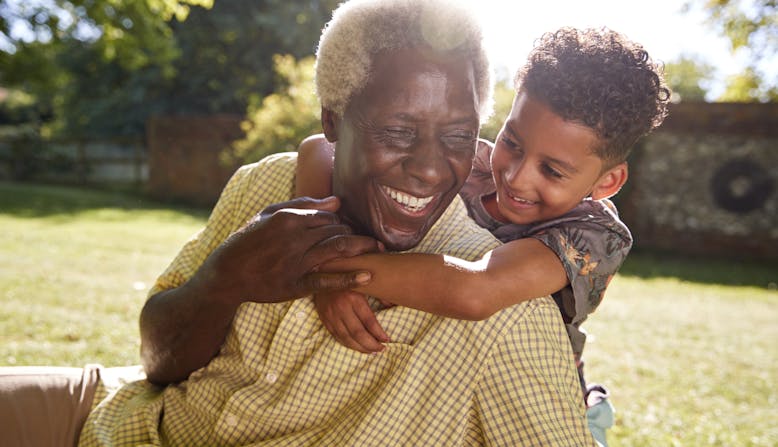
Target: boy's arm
(451, 287)
(313, 173)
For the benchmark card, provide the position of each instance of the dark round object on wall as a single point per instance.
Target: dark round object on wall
(741, 185)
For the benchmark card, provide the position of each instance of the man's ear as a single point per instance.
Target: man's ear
(329, 124)
(610, 182)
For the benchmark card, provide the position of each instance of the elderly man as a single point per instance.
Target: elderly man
(231, 343)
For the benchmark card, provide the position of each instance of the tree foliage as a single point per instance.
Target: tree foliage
(103, 67)
(503, 101)
(746, 86)
(687, 77)
(279, 122)
(751, 26)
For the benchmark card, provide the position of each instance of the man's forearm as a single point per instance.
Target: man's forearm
(181, 330)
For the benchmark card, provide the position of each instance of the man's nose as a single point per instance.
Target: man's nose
(427, 163)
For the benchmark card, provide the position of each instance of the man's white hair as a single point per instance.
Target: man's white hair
(360, 29)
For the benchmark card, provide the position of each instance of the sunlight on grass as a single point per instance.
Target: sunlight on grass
(74, 278)
(687, 347)
(687, 363)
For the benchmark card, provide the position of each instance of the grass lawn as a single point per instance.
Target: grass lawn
(687, 346)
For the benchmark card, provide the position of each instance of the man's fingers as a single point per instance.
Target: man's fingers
(340, 246)
(330, 204)
(325, 282)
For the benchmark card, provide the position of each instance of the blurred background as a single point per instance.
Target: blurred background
(121, 120)
(167, 97)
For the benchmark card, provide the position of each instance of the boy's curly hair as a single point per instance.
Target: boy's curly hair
(601, 79)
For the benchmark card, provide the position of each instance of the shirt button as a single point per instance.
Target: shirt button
(231, 420)
(301, 315)
(271, 377)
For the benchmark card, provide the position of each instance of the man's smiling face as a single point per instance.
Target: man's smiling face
(405, 145)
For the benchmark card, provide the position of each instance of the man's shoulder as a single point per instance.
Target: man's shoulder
(281, 162)
(271, 178)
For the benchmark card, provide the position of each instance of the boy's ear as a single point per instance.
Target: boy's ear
(610, 182)
(329, 124)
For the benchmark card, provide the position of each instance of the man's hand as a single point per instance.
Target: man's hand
(267, 259)
(349, 319)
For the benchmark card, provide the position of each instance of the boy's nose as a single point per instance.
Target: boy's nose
(518, 173)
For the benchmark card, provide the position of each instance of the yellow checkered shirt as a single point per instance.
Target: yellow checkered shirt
(280, 379)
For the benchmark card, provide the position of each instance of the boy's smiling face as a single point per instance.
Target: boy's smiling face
(543, 166)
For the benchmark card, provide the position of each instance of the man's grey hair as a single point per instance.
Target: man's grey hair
(360, 29)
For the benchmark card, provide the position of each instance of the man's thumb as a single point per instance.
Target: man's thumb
(327, 282)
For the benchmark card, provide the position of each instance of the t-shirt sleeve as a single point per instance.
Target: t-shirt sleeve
(482, 167)
(592, 247)
(479, 181)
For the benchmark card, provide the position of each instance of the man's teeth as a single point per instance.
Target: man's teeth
(409, 202)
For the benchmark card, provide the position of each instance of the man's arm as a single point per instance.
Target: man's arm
(265, 261)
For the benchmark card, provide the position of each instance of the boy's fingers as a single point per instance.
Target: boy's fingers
(343, 336)
(371, 324)
(356, 328)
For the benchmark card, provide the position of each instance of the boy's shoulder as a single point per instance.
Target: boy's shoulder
(602, 213)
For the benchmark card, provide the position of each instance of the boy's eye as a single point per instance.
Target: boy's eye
(552, 172)
(508, 142)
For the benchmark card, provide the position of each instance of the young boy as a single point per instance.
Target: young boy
(583, 99)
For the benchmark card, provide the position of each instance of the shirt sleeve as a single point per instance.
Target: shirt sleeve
(482, 166)
(480, 179)
(529, 393)
(592, 245)
(250, 189)
(220, 224)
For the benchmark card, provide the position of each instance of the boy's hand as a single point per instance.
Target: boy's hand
(348, 317)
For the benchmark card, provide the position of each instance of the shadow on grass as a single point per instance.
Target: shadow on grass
(38, 200)
(706, 270)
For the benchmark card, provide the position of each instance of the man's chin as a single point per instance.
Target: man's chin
(401, 240)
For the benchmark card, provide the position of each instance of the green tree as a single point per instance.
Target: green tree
(687, 77)
(278, 122)
(227, 52)
(744, 87)
(752, 28)
(103, 67)
(503, 101)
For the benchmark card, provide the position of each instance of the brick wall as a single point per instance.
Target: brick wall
(184, 156)
(707, 182)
